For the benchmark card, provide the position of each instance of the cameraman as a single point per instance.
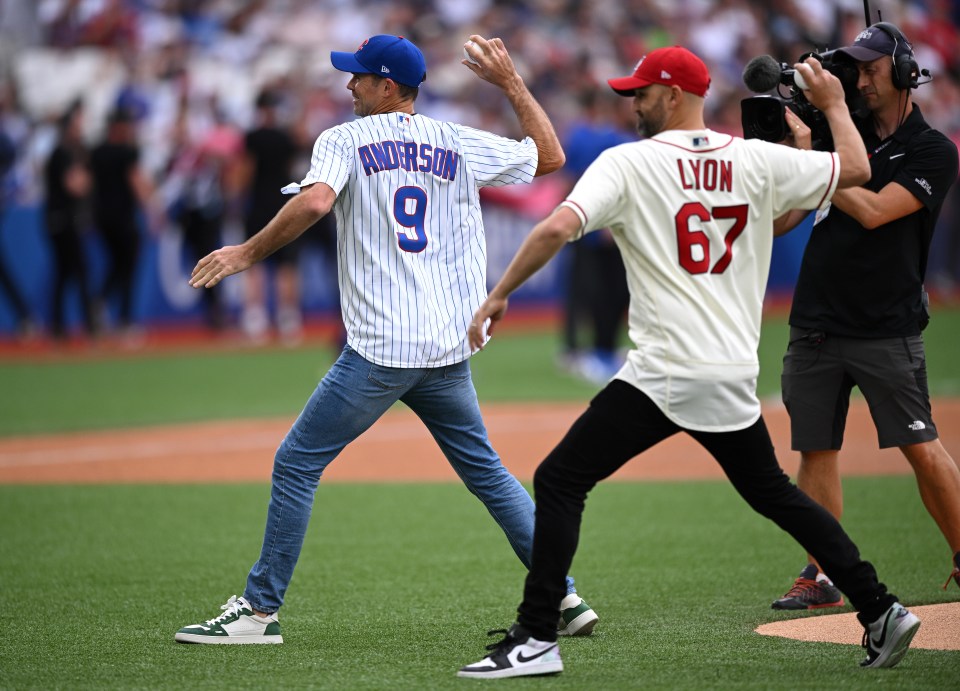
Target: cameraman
(859, 304)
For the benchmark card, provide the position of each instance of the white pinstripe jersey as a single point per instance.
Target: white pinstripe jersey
(692, 213)
(411, 251)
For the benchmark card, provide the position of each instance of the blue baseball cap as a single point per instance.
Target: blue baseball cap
(388, 56)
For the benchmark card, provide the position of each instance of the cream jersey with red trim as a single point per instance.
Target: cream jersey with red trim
(692, 212)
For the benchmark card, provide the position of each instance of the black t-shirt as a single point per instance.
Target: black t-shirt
(864, 283)
(8, 153)
(59, 198)
(272, 151)
(113, 196)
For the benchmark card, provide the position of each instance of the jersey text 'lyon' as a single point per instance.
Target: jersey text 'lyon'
(706, 174)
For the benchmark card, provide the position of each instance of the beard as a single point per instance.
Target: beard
(652, 122)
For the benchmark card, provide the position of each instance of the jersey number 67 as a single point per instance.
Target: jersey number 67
(698, 262)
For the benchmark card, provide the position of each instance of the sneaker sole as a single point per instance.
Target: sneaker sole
(226, 640)
(580, 626)
(526, 671)
(902, 636)
(801, 607)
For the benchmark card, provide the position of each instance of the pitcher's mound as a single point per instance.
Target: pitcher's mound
(938, 628)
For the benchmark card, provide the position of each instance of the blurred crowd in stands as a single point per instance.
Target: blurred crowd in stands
(191, 79)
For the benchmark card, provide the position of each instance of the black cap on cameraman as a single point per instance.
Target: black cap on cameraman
(872, 44)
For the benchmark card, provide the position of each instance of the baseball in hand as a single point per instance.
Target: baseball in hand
(466, 55)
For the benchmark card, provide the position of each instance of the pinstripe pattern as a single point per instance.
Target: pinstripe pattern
(411, 307)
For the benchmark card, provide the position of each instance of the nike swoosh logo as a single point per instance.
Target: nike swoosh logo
(896, 156)
(883, 632)
(521, 659)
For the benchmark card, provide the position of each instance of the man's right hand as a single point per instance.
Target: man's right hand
(493, 62)
(492, 311)
(824, 90)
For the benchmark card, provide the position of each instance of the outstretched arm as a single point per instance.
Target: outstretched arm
(546, 239)
(493, 64)
(298, 214)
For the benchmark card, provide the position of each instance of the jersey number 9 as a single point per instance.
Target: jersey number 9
(409, 210)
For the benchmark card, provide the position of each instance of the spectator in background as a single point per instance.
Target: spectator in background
(120, 191)
(269, 150)
(204, 169)
(68, 182)
(945, 246)
(8, 287)
(595, 290)
(112, 25)
(64, 28)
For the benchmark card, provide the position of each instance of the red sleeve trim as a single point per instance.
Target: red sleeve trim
(833, 174)
(579, 208)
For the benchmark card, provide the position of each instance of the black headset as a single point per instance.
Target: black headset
(906, 71)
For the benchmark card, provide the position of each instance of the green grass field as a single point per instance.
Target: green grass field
(398, 584)
(43, 396)
(387, 596)
(97, 579)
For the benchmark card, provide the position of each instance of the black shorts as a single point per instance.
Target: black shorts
(819, 372)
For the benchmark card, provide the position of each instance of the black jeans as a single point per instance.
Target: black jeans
(121, 238)
(622, 422)
(70, 266)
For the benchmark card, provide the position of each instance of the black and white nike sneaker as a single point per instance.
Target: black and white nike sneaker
(888, 638)
(517, 655)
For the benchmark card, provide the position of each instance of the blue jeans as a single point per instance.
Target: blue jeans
(353, 395)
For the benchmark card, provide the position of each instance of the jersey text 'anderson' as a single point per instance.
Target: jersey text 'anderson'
(409, 156)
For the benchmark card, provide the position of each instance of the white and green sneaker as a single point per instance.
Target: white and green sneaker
(577, 618)
(238, 625)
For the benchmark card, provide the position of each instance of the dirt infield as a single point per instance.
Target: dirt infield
(398, 448)
(938, 628)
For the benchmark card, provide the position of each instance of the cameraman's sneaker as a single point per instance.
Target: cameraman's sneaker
(238, 625)
(888, 638)
(576, 617)
(809, 593)
(517, 655)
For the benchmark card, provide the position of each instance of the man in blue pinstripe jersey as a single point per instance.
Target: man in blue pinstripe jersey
(412, 270)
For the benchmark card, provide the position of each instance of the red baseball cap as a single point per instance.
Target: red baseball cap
(668, 66)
